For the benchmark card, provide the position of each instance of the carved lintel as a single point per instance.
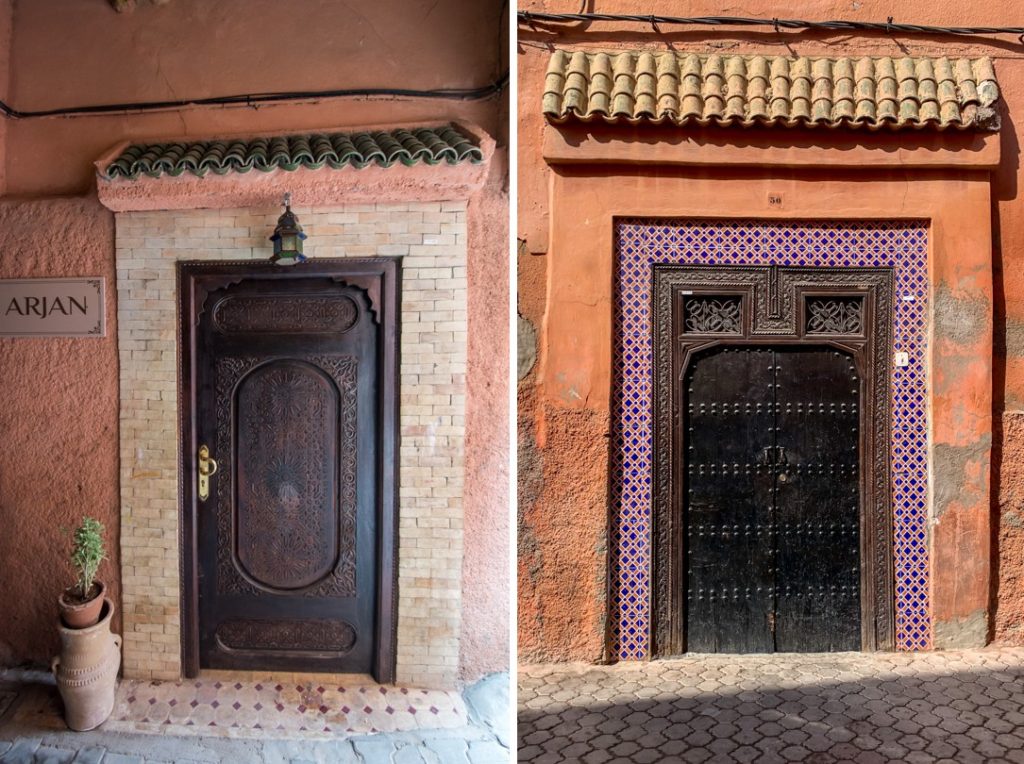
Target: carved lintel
(774, 309)
(370, 285)
(319, 636)
(286, 313)
(206, 287)
(126, 6)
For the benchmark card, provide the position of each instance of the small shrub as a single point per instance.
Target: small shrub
(87, 553)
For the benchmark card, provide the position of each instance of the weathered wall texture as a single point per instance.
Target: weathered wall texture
(69, 53)
(1009, 536)
(485, 565)
(569, 380)
(59, 423)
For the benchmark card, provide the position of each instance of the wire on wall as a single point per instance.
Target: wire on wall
(531, 18)
(254, 99)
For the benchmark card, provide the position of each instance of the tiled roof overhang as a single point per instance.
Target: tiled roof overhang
(683, 89)
(384, 148)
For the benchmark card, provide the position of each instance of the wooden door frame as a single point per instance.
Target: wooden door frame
(380, 279)
(773, 313)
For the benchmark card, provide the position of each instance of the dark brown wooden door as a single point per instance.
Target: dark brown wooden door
(289, 379)
(772, 502)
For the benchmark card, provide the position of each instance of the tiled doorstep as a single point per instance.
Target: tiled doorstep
(312, 709)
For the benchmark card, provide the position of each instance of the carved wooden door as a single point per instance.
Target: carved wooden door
(289, 374)
(772, 503)
(772, 522)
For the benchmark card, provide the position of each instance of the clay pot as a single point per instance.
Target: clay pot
(81, 616)
(86, 671)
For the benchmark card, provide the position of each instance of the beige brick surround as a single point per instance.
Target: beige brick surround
(431, 238)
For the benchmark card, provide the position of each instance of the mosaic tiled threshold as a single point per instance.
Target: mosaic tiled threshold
(641, 243)
(304, 709)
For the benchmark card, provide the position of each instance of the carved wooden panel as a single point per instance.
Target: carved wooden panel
(835, 315)
(774, 307)
(304, 635)
(281, 528)
(286, 521)
(284, 314)
(713, 314)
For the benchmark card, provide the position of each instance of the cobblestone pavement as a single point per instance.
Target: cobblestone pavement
(952, 707)
(25, 739)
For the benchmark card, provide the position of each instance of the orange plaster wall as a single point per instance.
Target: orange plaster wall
(68, 53)
(978, 357)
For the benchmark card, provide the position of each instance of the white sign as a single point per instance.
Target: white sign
(52, 307)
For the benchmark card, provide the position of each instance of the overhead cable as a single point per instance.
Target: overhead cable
(531, 18)
(254, 99)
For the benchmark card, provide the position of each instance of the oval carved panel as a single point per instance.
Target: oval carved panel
(304, 635)
(286, 314)
(286, 518)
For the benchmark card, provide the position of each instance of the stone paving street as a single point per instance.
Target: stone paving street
(950, 707)
(32, 732)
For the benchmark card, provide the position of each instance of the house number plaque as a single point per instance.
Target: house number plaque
(52, 307)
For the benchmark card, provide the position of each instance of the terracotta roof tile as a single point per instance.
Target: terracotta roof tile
(685, 88)
(431, 145)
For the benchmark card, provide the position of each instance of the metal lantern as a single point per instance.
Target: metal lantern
(288, 237)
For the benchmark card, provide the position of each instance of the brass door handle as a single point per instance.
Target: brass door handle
(207, 467)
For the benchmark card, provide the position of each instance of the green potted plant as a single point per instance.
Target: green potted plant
(90, 656)
(81, 603)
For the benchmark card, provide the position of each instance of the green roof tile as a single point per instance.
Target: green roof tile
(430, 145)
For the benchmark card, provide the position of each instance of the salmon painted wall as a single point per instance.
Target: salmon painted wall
(68, 53)
(562, 566)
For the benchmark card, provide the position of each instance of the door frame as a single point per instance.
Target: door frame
(379, 278)
(772, 313)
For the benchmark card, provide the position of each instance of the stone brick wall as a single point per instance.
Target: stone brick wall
(431, 238)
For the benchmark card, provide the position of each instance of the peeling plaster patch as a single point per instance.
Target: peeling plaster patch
(526, 346)
(949, 464)
(1014, 337)
(530, 485)
(960, 319)
(962, 633)
(1012, 519)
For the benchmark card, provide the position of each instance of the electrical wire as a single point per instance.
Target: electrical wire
(252, 99)
(530, 18)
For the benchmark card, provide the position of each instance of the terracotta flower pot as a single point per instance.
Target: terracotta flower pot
(86, 671)
(81, 615)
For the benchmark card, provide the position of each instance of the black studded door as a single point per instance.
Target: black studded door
(772, 500)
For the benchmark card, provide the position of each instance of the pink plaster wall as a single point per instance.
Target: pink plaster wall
(6, 18)
(485, 564)
(59, 460)
(69, 52)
